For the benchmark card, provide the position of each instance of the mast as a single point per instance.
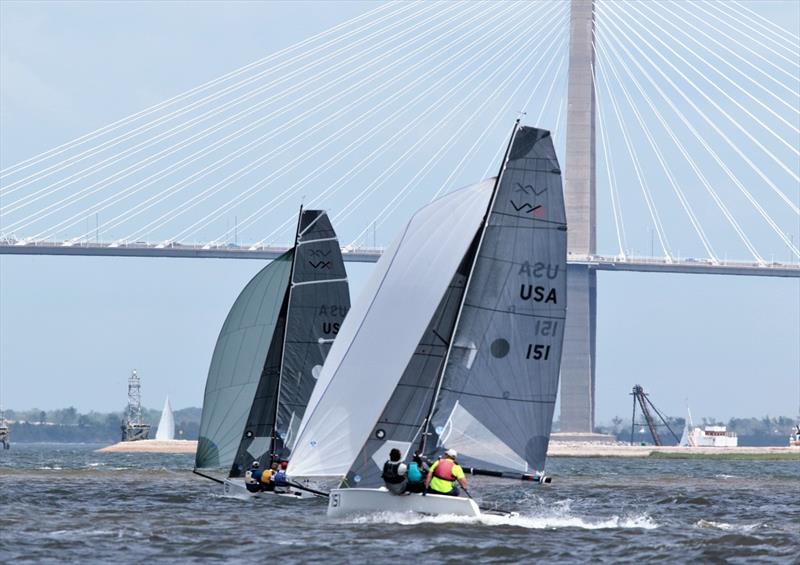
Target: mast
(440, 377)
(274, 438)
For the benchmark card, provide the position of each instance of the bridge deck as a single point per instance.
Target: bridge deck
(371, 255)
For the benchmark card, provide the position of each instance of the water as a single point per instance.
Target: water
(67, 503)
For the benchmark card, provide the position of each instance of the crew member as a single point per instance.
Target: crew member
(280, 476)
(444, 475)
(252, 478)
(417, 470)
(394, 473)
(267, 482)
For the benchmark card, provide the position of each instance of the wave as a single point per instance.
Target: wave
(555, 520)
(725, 527)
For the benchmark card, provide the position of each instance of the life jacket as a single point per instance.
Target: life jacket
(280, 477)
(391, 472)
(444, 469)
(252, 476)
(414, 473)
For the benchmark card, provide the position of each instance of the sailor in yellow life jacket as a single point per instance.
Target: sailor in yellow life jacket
(445, 475)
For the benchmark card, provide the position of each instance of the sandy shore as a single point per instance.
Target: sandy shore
(578, 449)
(152, 446)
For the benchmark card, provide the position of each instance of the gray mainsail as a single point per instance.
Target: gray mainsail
(239, 361)
(271, 349)
(498, 390)
(318, 302)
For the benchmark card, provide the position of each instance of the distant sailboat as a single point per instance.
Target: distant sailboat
(270, 352)
(166, 425)
(456, 342)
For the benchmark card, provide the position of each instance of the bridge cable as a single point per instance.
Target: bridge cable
(776, 30)
(336, 158)
(702, 140)
(402, 194)
(444, 98)
(184, 109)
(685, 204)
(237, 153)
(734, 83)
(681, 147)
(58, 185)
(191, 92)
(705, 117)
(722, 91)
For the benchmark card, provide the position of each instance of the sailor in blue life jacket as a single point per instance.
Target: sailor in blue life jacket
(445, 475)
(394, 473)
(417, 470)
(252, 478)
(280, 475)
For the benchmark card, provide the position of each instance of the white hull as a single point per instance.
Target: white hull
(237, 488)
(345, 502)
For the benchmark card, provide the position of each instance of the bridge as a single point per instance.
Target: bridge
(686, 113)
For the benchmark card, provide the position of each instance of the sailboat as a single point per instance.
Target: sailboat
(269, 355)
(454, 344)
(166, 425)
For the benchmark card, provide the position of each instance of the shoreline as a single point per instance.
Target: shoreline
(578, 449)
(151, 446)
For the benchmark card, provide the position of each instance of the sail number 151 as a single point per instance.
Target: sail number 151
(538, 352)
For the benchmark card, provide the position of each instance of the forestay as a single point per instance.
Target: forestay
(383, 330)
(498, 389)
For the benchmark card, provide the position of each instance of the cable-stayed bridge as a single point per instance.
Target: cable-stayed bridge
(677, 124)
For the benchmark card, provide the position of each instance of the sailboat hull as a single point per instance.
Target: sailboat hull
(354, 501)
(236, 488)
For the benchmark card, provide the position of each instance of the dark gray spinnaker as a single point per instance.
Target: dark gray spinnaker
(484, 377)
(270, 351)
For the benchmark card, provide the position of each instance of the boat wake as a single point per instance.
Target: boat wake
(554, 520)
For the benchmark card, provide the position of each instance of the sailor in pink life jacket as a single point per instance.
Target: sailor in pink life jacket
(444, 474)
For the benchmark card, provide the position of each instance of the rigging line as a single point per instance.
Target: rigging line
(70, 161)
(503, 109)
(378, 151)
(790, 146)
(709, 121)
(792, 38)
(767, 107)
(363, 117)
(113, 159)
(247, 148)
(338, 157)
(789, 89)
(681, 147)
(612, 181)
(436, 157)
(753, 36)
(708, 148)
(110, 127)
(678, 192)
(639, 174)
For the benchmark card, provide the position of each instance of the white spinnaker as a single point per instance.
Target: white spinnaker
(166, 425)
(382, 330)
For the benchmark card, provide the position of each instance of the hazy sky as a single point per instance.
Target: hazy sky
(72, 328)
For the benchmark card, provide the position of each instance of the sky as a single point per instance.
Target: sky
(72, 328)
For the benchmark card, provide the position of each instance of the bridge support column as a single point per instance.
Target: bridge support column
(577, 360)
(577, 365)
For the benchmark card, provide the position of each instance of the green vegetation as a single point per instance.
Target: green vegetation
(67, 425)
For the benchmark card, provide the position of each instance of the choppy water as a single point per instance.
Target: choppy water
(67, 503)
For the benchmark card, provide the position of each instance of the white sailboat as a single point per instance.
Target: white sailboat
(166, 425)
(269, 353)
(455, 343)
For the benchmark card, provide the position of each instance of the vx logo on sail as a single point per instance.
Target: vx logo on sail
(537, 211)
